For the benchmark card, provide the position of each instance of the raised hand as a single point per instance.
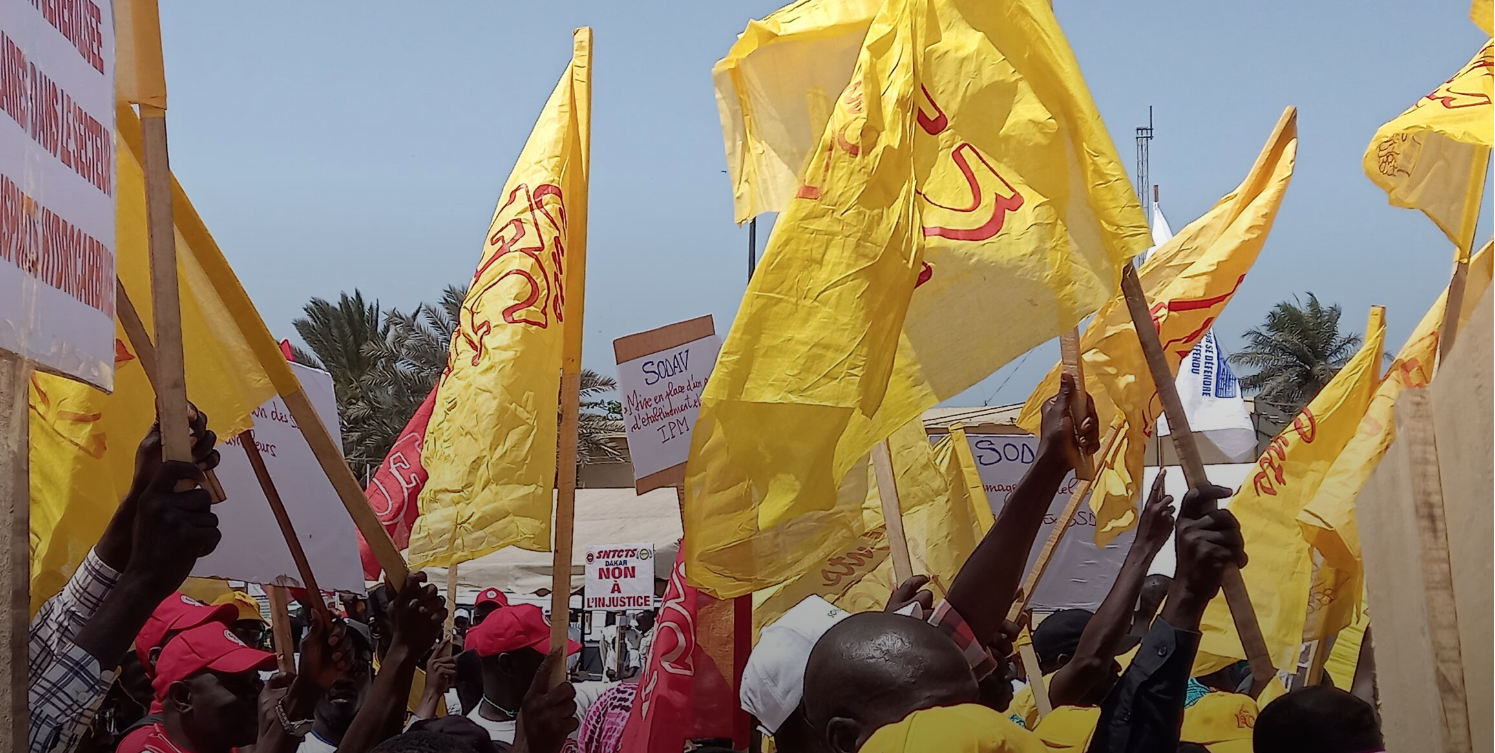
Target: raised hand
(547, 717)
(1208, 540)
(179, 527)
(326, 652)
(417, 613)
(1060, 439)
(1156, 522)
(911, 591)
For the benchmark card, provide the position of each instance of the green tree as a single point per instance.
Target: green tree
(339, 336)
(1294, 353)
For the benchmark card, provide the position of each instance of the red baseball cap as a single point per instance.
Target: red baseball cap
(209, 646)
(492, 595)
(520, 626)
(178, 612)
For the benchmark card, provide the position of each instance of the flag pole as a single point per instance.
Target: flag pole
(15, 490)
(892, 511)
(570, 395)
(1187, 449)
(314, 600)
(1073, 364)
(280, 628)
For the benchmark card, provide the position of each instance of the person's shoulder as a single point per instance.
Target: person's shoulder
(148, 739)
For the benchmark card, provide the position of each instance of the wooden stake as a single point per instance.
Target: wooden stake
(314, 600)
(145, 350)
(170, 381)
(1046, 555)
(15, 535)
(1073, 364)
(1034, 671)
(1184, 444)
(1454, 302)
(892, 511)
(1318, 655)
(451, 601)
(570, 396)
(1415, 426)
(280, 628)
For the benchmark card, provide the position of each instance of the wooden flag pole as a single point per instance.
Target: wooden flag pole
(1184, 444)
(314, 600)
(280, 628)
(145, 350)
(570, 394)
(451, 601)
(170, 380)
(1046, 554)
(15, 495)
(1073, 364)
(1031, 667)
(892, 511)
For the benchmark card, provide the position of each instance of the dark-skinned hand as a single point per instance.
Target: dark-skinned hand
(909, 592)
(175, 529)
(1208, 540)
(547, 717)
(1059, 437)
(148, 453)
(326, 652)
(1156, 523)
(416, 614)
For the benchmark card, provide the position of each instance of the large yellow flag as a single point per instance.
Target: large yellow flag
(1290, 472)
(1433, 157)
(775, 90)
(83, 441)
(1188, 282)
(490, 447)
(1328, 520)
(918, 227)
(1480, 13)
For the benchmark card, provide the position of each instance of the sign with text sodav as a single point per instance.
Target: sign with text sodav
(661, 374)
(620, 577)
(57, 186)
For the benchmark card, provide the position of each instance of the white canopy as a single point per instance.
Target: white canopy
(603, 516)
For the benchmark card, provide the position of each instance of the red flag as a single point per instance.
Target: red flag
(684, 693)
(396, 486)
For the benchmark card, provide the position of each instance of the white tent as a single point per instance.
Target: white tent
(603, 516)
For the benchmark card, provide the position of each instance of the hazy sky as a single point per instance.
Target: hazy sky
(339, 145)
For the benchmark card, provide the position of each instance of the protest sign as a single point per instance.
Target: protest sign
(253, 548)
(620, 577)
(661, 374)
(57, 187)
(1080, 575)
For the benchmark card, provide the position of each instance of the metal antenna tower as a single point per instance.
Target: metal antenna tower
(1144, 140)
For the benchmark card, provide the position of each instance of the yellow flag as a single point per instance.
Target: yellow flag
(1290, 471)
(83, 441)
(918, 225)
(1188, 282)
(1433, 157)
(139, 76)
(775, 90)
(490, 447)
(1480, 13)
(1328, 520)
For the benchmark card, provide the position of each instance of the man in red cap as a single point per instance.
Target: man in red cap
(511, 644)
(178, 612)
(489, 600)
(207, 682)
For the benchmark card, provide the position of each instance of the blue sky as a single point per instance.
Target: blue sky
(339, 145)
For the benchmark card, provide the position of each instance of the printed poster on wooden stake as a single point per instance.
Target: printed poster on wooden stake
(661, 374)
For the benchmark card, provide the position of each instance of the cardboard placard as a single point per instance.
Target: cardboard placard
(58, 188)
(619, 577)
(253, 548)
(661, 375)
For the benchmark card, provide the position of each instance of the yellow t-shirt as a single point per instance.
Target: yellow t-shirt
(1069, 728)
(1024, 709)
(967, 728)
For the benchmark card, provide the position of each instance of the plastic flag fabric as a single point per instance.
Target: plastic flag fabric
(917, 225)
(1290, 472)
(490, 445)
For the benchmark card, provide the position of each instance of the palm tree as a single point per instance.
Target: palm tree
(1294, 353)
(595, 422)
(339, 335)
(413, 353)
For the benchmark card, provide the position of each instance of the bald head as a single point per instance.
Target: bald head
(874, 669)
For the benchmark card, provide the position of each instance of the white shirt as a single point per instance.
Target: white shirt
(503, 731)
(313, 744)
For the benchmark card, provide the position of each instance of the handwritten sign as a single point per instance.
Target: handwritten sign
(620, 577)
(661, 374)
(252, 548)
(58, 186)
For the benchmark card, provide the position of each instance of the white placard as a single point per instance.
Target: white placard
(58, 186)
(620, 577)
(661, 396)
(252, 548)
(1081, 574)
